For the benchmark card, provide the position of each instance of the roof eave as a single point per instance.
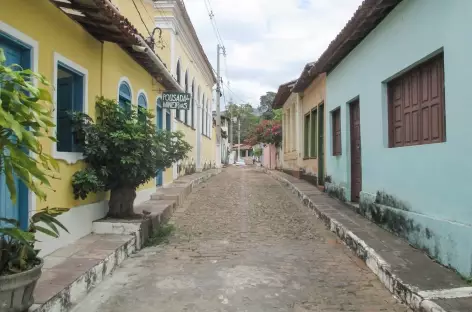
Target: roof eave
(102, 20)
(366, 18)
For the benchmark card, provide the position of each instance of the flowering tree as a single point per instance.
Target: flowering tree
(267, 131)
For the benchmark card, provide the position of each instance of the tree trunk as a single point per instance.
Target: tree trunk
(121, 202)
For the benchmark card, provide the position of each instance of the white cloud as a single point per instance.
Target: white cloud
(268, 41)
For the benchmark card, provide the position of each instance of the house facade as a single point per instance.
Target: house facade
(184, 55)
(290, 103)
(398, 137)
(88, 50)
(303, 120)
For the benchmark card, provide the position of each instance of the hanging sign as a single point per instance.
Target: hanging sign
(176, 100)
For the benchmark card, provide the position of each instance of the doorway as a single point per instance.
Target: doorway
(15, 53)
(321, 164)
(159, 126)
(356, 161)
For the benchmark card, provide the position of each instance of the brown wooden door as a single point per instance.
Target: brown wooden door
(356, 164)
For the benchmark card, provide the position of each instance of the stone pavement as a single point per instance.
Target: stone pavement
(407, 272)
(243, 243)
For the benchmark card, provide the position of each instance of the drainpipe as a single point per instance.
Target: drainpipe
(149, 52)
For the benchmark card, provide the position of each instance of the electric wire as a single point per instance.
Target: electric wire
(140, 16)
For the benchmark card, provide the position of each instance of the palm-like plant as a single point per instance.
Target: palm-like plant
(25, 116)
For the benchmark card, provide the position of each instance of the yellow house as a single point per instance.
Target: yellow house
(303, 126)
(180, 49)
(190, 65)
(87, 49)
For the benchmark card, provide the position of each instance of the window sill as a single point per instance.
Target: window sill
(185, 124)
(337, 154)
(69, 157)
(307, 158)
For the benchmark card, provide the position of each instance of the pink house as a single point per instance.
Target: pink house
(269, 156)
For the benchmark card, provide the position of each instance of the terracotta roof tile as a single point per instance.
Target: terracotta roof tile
(369, 14)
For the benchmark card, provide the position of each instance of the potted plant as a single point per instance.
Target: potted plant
(20, 266)
(25, 115)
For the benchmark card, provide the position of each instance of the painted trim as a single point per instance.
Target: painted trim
(179, 62)
(143, 92)
(26, 40)
(69, 157)
(34, 54)
(175, 23)
(123, 79)
(173, 63)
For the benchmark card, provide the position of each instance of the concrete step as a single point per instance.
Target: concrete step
(177, 194)
(72, 271)
(154, 213)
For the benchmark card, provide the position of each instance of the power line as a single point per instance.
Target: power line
(162, 40)
(213, 23)
(237, 96)
(139, 13)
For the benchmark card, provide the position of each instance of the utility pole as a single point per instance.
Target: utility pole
(218, 116)
(231, 133)
(239, 137)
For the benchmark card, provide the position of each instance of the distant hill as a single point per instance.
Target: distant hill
(256, 112)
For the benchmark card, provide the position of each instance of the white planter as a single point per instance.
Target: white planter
(16, 290)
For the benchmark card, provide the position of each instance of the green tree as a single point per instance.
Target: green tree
(244, 114)
(123, 150)
(277, 114)
(265, 105)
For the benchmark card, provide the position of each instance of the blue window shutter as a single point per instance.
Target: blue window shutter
(65, 100)
(168, 128)
(125, 97)
(143, 104)
(78, 106)
(70, 98)
(159, 113)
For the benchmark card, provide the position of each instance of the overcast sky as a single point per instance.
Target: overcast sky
(268, 42)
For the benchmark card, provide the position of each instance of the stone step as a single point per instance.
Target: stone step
(71, 272)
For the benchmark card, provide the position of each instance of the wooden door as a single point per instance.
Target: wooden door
(356, 163)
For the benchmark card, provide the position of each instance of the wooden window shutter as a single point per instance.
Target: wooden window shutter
(336, 115)
(314, 122)
(416, 105)
(306, 147)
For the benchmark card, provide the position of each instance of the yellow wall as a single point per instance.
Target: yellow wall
(36, 19)
(209, 148)
(312, 97)
(117, 64)
(291, 152)
(106, 63)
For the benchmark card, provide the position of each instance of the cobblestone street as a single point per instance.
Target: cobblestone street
(243, 243)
